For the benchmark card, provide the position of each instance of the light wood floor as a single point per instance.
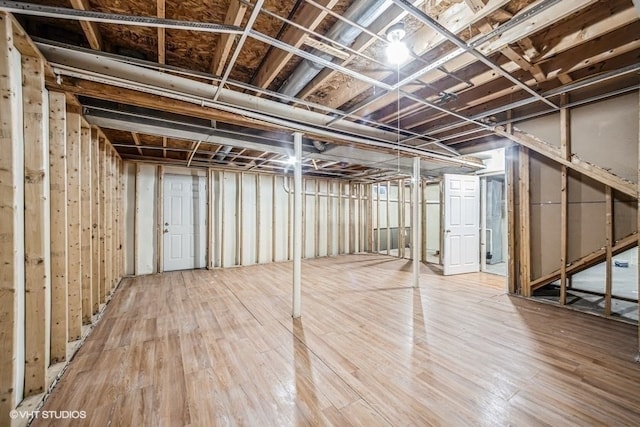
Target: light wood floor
(204, 348)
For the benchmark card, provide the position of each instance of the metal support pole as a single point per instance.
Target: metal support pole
(297, 223)
(415, 222)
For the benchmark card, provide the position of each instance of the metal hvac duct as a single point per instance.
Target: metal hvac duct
(363, 13)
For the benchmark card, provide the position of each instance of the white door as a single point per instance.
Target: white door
(185, 226)
(461, 224)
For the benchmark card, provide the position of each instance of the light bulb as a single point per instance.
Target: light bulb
(397, 52)
(292, 160)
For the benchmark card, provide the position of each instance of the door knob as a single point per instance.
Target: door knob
(447, 231)
(166, 224)
(166, 230)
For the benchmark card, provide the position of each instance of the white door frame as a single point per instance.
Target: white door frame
(467, 223)
(202, 231)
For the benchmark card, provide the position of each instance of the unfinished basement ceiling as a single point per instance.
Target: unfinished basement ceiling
(225, 83)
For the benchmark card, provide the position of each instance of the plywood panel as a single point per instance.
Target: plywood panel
(606, 134)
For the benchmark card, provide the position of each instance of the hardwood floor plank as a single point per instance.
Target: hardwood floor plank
(219, 347)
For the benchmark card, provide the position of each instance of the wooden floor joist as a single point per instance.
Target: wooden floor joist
(223, 349)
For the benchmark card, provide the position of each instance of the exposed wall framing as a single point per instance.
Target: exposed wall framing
(576, 221)
(49, 181)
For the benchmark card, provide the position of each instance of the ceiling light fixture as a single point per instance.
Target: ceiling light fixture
(292, 160)
(397, 51)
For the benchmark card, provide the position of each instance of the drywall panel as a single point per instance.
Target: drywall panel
(146, 216)
(545, 239)
(129, 217)
(625, 211)
(606, 134)
(545, 225)
(546, 128)
(545, 176)
(586, 216)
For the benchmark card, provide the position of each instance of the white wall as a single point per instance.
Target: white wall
(250, 217)
(129, 200)
(146, 244)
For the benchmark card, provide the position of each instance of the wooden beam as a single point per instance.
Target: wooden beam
(37, 237)
(108, 218)
(162, 43)
(309, 17)
(119, 222)
(95, 222)
(552, 152)
(74, 230)
(564, 231)
(298, 225)
(12, 214)
(388, 212)
(160, 218)
(608, 17)
(90, 29)
(522, 62)
(523, 221)
(239, 195)
(638, 230)
(587, 261)
(86, 223)
(136, 140)
(102, 166)
(474, 5)
(257, 214)
(512, 183)
(58, 218)
(211, 239)
(609, 251)
(456, 19)
(234, 16)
